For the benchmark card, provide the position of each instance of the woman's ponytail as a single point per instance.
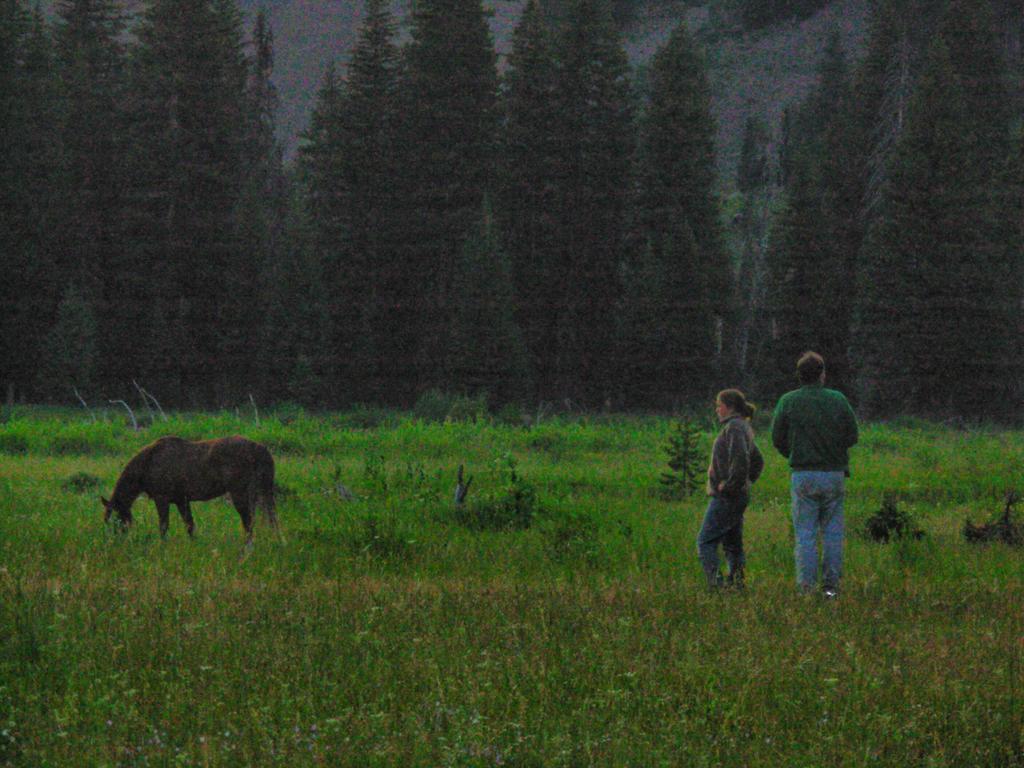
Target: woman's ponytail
(737, 401)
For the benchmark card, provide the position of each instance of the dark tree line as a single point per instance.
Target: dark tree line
(142, 199)
(492, 234)
(443, 228)
(552, 233)
(897, 252)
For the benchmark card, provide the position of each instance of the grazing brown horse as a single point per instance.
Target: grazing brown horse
(176, 471)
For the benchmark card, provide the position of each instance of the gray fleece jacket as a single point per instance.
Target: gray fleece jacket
(735, 459)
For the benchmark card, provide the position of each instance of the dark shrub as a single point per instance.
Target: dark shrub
(571, 536)
(380, 536)
(81, 482)
(890, 523)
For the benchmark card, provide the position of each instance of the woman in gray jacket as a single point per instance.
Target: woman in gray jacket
(735, 464)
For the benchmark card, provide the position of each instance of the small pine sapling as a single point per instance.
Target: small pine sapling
(890, 523)
(685, 460)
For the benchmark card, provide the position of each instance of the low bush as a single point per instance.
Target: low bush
(890, 523)
(571, 536)
(510, 505)
(381, 536)
(14, 443)
(365, 417)
(81, 482)
(468, 409)
(433, 406)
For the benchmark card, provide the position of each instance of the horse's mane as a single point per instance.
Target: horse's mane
(128, 484)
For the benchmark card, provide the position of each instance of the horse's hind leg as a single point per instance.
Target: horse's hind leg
(163, 510)
(244, 512)
(270, 511)
(186, 515)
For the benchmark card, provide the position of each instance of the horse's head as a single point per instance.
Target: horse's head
(124, 512)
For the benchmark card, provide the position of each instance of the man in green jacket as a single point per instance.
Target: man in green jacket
(814, 428)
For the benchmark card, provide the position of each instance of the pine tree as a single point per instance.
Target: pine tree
(595, 136)
(684, 461)
(677, 194)
(368, 278)
(640, 322)
(753, 181)
(91, 55)
(527, 200)
(448, 101)
(882, 87)
(296, 325)
(31, 194)
(678, 148)
(1015, 236)
(259, 219)
(665, 344)
(320, 167)
(938, 309)
(485, 350)
(188, 107)
(812, 255)
(71, 355)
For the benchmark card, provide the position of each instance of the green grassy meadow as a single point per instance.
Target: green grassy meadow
(390, 629)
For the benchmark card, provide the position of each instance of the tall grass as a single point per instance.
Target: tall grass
(386, 631)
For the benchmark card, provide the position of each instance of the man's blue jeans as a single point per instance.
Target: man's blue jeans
(818, 504)
(723, 524)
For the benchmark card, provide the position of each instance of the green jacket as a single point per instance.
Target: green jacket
(814, 428)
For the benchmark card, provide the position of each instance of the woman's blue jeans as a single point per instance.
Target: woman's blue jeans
(818, 505)
(723, 524)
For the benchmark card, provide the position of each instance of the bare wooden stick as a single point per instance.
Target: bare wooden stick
(135, 424)
(255, 410)
(461, 489)
(145, 402)
(542, 408)
(163, 416)
(92, 416)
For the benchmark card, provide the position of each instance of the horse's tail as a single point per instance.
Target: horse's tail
(263, 488)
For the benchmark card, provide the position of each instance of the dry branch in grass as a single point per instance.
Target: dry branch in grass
(131, 413)
(461, 489)
(1002, 529)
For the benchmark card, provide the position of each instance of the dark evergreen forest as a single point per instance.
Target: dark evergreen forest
(553, 233)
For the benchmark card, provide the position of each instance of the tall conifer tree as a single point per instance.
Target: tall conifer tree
(260, 218)
(188, 142)
(939, 310)
(530, 159)
(677, 195)
(485, 349)
(665, 339)
(368, 278)
(90, 48)
(596, 138)
(753, 181)
(448, 100)
(31, 194)
(813, 249)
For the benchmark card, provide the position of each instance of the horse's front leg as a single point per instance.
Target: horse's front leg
(163, 509)
(185, 510)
